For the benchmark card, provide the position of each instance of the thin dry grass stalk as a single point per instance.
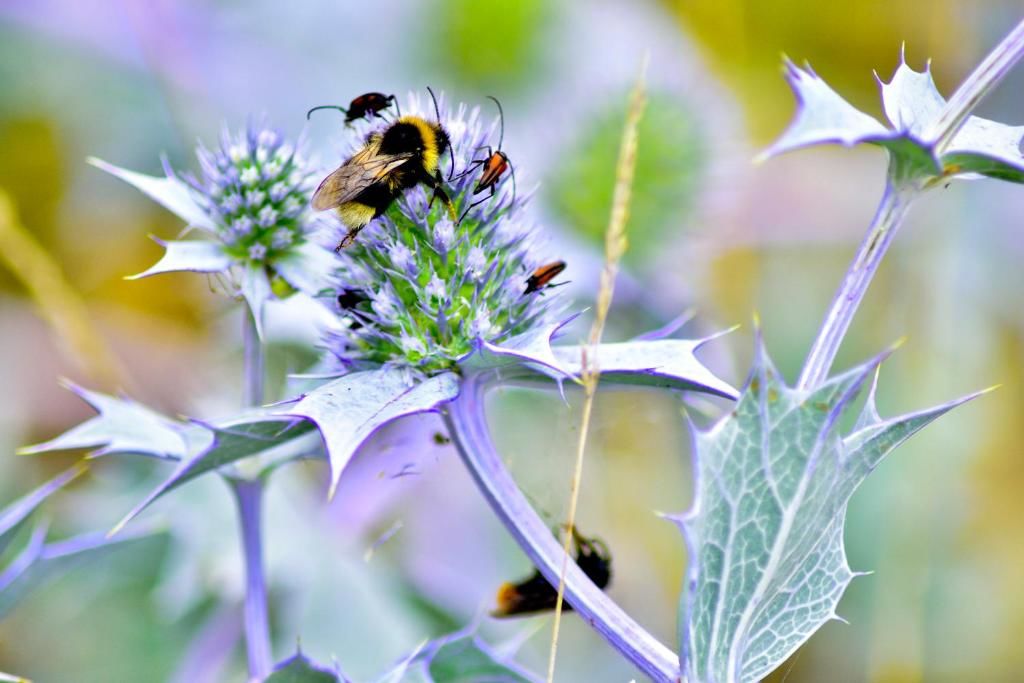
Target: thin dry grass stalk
(615, 244)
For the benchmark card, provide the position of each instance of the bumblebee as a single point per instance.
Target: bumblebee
(392, 161)
(362, 107)
(535, 594)
(542, 277)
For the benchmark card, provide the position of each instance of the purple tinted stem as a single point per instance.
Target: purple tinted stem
(982, 80)
(888, 218)
(895, 202)
(249, 495)
(253, 369)
(468, 425)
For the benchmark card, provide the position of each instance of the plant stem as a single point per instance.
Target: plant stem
(615, 246)
(982, 80)
(895, 202)
(253, 368)
(249, 495)
(467, 425)
(890, 214)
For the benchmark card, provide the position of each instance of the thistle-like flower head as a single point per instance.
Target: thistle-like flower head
(429, 305)
(420, 289)
(252, 198)
(255, 187)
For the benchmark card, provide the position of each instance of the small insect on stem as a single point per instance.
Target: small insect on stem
(542, 277)
(494, 164)
(365, 106)
(535, 594)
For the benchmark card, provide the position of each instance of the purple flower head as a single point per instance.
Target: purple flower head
(252, 198)
(256, 190)
(432, 288)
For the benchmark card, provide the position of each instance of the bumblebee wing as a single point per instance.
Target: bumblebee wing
(366, 167)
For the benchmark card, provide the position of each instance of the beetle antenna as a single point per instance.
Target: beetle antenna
(501, 115)
(326, 106)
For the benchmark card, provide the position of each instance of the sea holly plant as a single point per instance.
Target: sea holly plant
(431, 314)
(427, 310)
(931, 142)
(431, 305)
(765, 534)
(37, 559)
(251, 199)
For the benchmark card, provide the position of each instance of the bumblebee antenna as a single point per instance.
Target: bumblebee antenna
(501, 115)
(326, 106)
(437, 110)
(451, 152)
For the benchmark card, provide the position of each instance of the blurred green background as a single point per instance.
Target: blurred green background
(940, 523)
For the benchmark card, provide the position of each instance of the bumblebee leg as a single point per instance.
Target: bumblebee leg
(435, 182)
(439, 192)
(348, 240)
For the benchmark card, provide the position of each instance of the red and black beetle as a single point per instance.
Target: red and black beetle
(494, 164)
(362, 107)
(542, 277)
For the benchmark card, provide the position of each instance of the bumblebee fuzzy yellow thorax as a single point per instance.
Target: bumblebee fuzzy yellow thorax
(431, 153)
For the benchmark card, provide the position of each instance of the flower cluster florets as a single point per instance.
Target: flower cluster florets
(256, 189)
(419, 289)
